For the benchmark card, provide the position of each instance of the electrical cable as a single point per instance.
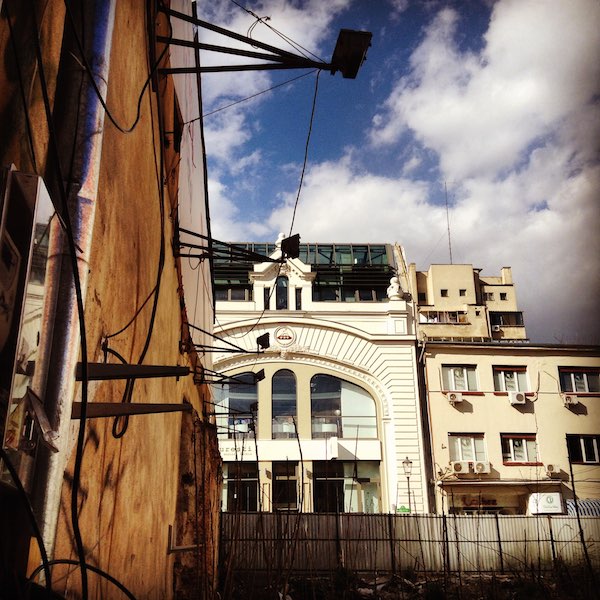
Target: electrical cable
(21, 89)
(284, 37)
(80, 310)
(98, 571)
(135, 316)
(97, 91)
(34, 525)
(121, 424)
(312, 116)
(274, 87)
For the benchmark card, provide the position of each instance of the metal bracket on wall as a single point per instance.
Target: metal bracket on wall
(97, 410)
(172, 548)
(108, 371)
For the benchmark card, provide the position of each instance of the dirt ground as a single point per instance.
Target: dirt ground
(575, 584)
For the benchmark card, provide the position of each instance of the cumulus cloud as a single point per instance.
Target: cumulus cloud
(480, 112)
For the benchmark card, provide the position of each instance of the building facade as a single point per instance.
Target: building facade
(336, 412)
(515, 428)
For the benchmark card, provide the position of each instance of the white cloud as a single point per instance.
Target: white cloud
(481, 112)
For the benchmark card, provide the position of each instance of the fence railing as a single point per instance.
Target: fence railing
(320, 543)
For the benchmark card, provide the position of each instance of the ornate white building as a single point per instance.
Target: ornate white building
(337, 413)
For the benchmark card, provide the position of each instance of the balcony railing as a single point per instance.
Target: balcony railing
(351, 427)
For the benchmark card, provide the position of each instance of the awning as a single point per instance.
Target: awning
(588, 507)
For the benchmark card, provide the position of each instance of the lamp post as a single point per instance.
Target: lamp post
(407, 466)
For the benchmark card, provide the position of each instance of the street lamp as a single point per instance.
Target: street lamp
(407, 466)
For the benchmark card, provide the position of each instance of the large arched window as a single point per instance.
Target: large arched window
(341, 409)
(236, 406)
(281, 293)
(283, 404)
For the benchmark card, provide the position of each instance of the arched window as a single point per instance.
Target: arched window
(341, 409)
(283, 399)
(236, 406)
(281, 293)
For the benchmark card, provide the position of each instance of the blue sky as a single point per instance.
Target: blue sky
(499, 99)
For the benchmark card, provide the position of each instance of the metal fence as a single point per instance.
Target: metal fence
(322, 543)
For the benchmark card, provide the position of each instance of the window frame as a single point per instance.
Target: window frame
(581, 439)
(509, 439)
(447, 368)
(474, 450)
(501, 371)
(571, 372)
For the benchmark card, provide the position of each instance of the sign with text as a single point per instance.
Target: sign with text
(547, 503)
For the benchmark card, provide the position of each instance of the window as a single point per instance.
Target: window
(508, 319)
(283, 398)
(459, 377)
(341, 409)
(503, 296)
(298, 298)
(455, 317)
(466, 446)
(267, 297)
(241, 483)
(281, 293)
(462, 292)
(422, 296)
(444, 293)
(235, 406)
(579, 380)
(519, 448)
(489, 296)
(510, 379)
(285, 485)
(584, 448)
(346, 486)
(233, 293)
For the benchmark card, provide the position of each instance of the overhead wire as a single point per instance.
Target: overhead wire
(310, 126)
(88, 70)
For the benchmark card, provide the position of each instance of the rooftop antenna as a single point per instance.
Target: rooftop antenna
(448, 221)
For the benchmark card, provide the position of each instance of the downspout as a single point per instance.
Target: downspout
(77, 108)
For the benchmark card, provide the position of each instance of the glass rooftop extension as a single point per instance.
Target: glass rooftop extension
(320, 254)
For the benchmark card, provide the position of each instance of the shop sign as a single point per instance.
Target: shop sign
(545, 503)
(476, 501)
(403, 510)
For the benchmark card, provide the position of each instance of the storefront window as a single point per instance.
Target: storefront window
(241, 486)
(236, 406)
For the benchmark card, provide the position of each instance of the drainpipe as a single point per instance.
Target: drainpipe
(79, 122)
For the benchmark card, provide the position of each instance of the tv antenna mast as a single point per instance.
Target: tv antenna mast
(448, 221)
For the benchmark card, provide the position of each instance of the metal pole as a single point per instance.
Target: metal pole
(581, 535)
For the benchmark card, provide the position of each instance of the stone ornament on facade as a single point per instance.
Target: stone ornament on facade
(394, 292)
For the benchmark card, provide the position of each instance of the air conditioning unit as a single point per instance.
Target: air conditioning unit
(454, 397)
(482, 466)
(460, 467)
(517, 397)
(496, 328)
(552, 470)
(570, 399)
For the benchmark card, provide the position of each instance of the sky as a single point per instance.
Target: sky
(490, 107)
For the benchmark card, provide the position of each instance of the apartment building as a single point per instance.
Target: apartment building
(515, 428)
(323, 418)
(458, 302)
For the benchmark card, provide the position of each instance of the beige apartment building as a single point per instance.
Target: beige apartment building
(514, 426)
(457, 302)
